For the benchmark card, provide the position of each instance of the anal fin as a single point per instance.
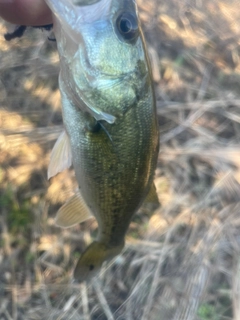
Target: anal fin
(73, 212)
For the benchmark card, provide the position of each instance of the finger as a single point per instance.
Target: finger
(25, 12)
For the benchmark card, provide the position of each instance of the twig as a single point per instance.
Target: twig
(8, 316)
(84, 296)
(155, 280)
(236, 290)
(14, 302)
(69, 303)
(187, 123)
(103, 300)
(205, 82)
(166, 106)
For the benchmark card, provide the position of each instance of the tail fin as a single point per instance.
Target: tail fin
(92, 259)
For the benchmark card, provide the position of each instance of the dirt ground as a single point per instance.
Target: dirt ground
(182, 260)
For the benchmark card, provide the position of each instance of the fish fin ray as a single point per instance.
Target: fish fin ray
(73, 212)
(100, 115)
(152, 196)
(61, 155)
(94, 255)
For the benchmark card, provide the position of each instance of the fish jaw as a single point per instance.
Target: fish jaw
(92, 259)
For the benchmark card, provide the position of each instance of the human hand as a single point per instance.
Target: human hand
(25, 12)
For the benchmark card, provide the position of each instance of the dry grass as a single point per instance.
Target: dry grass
(181, 262)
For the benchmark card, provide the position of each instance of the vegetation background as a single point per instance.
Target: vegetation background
(181, 261)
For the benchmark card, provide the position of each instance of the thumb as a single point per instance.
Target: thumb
(25, 12)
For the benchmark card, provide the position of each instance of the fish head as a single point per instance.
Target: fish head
(92, 259)
(102, 52)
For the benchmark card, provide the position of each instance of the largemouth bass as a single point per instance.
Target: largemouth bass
(109, 114)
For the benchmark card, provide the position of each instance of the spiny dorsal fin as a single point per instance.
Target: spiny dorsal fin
(61, 155)
(73, 212)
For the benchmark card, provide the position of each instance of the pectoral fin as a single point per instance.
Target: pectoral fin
(61, 155)
(73, 212)
(152, 196)
(100, 115)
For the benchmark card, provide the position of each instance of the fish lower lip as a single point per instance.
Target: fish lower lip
(84, 2)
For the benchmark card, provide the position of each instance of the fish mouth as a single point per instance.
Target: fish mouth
(84, 2)
(99, 9)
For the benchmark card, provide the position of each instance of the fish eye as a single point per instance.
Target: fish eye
(127, 26)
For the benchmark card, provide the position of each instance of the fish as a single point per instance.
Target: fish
(111, 131)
